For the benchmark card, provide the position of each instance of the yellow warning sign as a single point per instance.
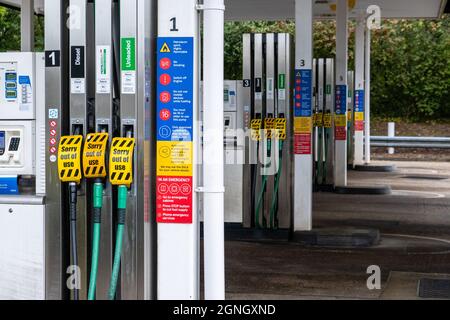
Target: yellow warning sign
(280, 127)
(327, 120)
(303, 125)
(121, 161)
(175, 158)
(94, 154)
(165, 48)
(340, 120)
(69, 159)
(359, 116)
(318, 119)
(256, 126)
(269, 126)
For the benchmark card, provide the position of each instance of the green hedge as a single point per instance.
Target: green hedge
(410, 59)
(410, 62)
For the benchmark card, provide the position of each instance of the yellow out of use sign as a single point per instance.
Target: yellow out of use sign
(121, 161)
(175, 158)
(303, 125)
(94, 155)
(69, 159)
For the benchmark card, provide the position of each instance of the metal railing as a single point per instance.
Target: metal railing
(411, 142)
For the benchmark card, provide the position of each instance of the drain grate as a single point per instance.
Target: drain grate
(434, 289)
(425, 177)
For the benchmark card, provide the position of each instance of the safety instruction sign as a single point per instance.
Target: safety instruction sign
(341, 113)
(175, 127)
(303, 117)
(359, 110)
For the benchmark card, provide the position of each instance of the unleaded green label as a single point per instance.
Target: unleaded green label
(282, 81)
(328, 89)
(128, 54)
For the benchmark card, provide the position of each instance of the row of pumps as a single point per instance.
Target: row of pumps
(77, 160)
(259, 191)
(78, 150)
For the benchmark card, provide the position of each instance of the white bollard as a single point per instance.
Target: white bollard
(391, 134)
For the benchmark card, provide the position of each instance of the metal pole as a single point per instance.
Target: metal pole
(367, 98)
(341, 93)
(213, 153)
(303, 126)
(359, 93)
(391, 134)
(27, 25)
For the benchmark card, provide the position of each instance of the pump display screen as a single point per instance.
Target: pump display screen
(2, 142)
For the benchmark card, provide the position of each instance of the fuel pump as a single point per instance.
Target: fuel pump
(23, 175)
(319, 118)
(69, 168)
(328, 122)
(266, 69)
(121, 176)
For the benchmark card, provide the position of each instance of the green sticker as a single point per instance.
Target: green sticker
(328, 89)
(282, 81)
(128, 54)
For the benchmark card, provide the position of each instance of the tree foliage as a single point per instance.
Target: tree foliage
(410, 59)
(410, 62)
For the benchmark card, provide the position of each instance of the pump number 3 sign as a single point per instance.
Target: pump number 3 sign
(175, 110)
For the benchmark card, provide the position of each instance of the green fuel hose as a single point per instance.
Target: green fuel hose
(97, 218)
(121, 212)
(274, 205)
(263, 190)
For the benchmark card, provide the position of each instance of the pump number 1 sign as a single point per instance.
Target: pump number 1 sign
(175, 110)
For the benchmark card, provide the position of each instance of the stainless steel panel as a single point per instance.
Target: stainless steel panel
(56, 104)
(137, 111)
(247, 113)
(78, 119)
(259, 113)
(271, 155)
(104, 114)
(128, 112)
(22, 200)
(320, 107)
(284, 110)
(22, 260)
(329, 108)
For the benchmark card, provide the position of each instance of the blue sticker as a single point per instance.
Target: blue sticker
(9, 186)
(360, 100)
(303, 93)
(24, 80)
(175, 89)
(341, 100)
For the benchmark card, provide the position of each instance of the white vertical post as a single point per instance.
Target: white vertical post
(391, 134)
(367, 97)
(341, 94)
(303, 159)
(359, 92)
(27, 25)
(213, 153)
(177, 217)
